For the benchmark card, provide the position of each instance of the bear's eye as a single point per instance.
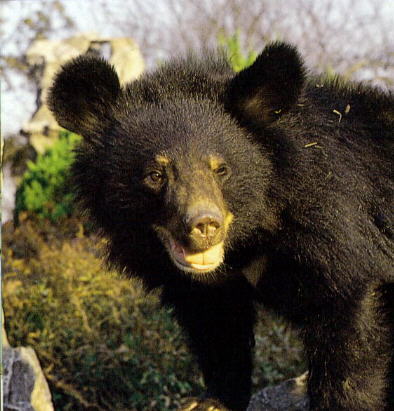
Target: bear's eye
(222, 170)
(156, 177)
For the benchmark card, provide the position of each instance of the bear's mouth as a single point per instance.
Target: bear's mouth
(196, 262)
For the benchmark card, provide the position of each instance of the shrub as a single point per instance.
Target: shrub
(236, 56)
(278, 350)
(103, 344)
(45, 188)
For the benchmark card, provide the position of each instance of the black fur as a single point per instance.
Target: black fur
(305, 167)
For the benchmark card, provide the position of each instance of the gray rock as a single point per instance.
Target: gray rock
(24, 384)
(287, 396)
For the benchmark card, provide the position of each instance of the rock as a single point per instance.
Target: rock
(287, 396)
(4, 339)
(24, 384)
(45, 58)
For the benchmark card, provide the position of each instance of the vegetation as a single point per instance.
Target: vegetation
(235, 53)
(103, 344)
(45, 189)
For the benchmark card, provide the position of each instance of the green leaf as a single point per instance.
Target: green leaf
(44, 189)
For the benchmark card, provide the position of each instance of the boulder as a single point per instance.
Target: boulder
(24, 385)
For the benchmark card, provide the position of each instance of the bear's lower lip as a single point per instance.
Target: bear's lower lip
(201, 262)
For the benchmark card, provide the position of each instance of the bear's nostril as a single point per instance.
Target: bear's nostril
(207, 228)
(205, 225)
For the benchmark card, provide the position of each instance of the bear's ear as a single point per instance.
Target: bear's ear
(269, 87)
(83, 95)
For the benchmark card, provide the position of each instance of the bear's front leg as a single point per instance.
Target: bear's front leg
(349, 356)
(219, 321)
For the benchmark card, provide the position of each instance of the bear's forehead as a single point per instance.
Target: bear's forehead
(175, 119)
(181, 132)
(175, 140)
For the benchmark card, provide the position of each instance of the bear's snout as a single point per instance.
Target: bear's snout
(205, 224)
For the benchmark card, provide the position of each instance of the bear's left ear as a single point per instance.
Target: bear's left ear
(269, 87)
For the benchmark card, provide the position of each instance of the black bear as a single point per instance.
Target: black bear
(225, 190)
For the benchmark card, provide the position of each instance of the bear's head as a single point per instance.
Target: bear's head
(162, 165)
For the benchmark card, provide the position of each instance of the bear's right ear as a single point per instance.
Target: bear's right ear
(83, 95)
(268, 88)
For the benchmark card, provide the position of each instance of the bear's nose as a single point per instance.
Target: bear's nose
(205, 224)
